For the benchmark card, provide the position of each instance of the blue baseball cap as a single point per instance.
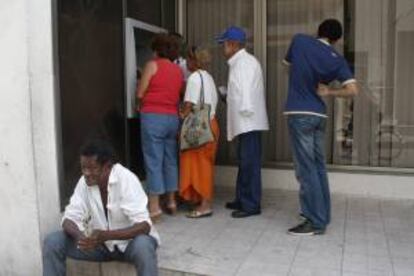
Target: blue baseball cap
(232, 33)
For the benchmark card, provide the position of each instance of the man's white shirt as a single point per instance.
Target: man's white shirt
(246, 104)
(127, 205)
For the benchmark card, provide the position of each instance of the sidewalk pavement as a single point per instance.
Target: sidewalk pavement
(367, 236)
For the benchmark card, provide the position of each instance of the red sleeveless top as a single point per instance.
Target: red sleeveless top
(163, 92)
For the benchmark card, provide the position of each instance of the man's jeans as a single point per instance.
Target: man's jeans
(141, 252)
(307, 142)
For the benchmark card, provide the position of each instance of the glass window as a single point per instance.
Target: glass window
(377, 127)
(374, 129)
(205, 20)
(159, 13)
(284, 20)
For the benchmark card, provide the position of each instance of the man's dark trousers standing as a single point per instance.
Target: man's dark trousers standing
(249, 182)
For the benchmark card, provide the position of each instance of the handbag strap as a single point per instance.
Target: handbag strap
(201, 91)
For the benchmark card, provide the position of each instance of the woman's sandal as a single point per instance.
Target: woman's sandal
(155, 216)
(198, 214)
(171, 209)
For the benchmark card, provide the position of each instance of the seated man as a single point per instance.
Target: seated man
(106, 219)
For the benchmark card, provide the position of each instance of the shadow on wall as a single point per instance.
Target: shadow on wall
(90, 52)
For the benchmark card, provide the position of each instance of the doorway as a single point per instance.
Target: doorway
(138, 36)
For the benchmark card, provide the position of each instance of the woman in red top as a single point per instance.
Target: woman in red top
(158, 95)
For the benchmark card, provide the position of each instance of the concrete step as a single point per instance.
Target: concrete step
(83, 268)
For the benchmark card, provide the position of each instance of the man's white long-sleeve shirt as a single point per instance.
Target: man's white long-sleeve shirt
(126, 205)
(246, 104)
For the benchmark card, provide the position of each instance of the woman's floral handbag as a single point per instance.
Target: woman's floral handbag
(196, 129)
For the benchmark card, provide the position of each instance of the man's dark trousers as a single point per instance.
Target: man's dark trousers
(249, 182)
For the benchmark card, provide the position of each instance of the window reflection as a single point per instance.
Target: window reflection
(377, 127)
(374, 129)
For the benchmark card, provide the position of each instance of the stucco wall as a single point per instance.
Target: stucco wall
(28, 168)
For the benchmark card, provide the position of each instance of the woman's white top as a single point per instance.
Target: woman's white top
(193, 90)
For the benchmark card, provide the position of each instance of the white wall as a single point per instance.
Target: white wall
(28, 167)
(358, 184)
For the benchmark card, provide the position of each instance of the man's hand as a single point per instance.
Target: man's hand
(323, 90)
(97, 238)
(88, 243)
(100, 235)
(348, 90)
(222, 90)
(222, 93)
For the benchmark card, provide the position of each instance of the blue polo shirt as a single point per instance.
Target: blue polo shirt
(312, 61)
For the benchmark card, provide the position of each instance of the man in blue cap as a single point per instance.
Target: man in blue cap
(246, 118)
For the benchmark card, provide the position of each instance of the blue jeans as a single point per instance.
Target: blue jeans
(307, 141)
(159, 146)
(249, 181)
(141, 252)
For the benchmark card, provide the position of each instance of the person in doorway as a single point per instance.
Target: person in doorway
(197, 165)
(158, 93)
(313, 63)
(246, 119)
(181, 58)
(107, 218)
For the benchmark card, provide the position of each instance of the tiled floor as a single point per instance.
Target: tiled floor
(366, 237)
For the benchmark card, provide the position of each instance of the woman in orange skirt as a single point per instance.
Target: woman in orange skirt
(197, 165)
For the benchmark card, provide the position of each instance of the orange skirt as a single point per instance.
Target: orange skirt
(197, 169)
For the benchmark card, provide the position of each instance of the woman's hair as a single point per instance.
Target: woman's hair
(200, 55)
(166, 46)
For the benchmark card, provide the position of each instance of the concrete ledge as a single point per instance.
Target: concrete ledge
(83, 268)
(368, 185)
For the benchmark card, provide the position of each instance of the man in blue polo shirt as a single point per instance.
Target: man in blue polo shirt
(313, 63)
